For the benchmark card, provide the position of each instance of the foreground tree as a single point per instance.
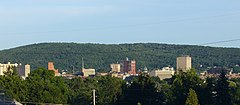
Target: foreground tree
(181, 84)
(141, 89)
(208, 92)
(192, 98)
(222, 90)
(44, 87)
(14, 86)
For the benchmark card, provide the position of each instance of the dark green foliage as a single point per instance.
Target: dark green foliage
(182, 82)
(235, 91)
(43, 87)
(208, 90)
(108, 90)
(14, 85)
(223, 90)
(236, 69)
(99, 56)
(141, 90)
(192, 98)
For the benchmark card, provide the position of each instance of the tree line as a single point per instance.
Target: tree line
(100, 56)
(182, 89)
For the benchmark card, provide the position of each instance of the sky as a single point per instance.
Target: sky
(192, 22)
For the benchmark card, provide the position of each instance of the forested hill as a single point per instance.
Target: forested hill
(100, 56)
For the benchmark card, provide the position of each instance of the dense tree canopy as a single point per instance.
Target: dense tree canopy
(43, 87)
(192, 98)
(100, 56)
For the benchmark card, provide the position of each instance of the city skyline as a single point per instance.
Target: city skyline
(114, 22)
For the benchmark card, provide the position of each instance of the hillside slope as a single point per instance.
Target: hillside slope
(100, 56)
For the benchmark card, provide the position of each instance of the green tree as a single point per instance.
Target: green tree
(109, 89)
(192, 98)
(208, 92)
(181, 84)
(141, 89)
(14, 85)
(235, 91)
(222, 90)
(44, 87)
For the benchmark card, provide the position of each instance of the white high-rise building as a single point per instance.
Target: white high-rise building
(6, 67)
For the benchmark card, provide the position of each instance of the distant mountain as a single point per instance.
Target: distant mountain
(100, 56)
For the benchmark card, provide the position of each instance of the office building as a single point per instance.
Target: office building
(184, 63)
(128, 66)
(115, 68)
(51, 67)
(24, 71)
(165, 73)
(5, 67)
(88, 72)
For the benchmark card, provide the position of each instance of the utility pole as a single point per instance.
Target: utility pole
(72, 67)
(82, 64)
(94, 97)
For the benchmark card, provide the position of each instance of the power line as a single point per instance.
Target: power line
(217, 42)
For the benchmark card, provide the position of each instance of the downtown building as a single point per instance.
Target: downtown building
(22, 70)
(164, 73)
(115, 68)
(128, 66)
(8, 66)
(184, 63)
(51, 67)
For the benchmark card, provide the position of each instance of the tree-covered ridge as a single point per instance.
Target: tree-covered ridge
(100, 56)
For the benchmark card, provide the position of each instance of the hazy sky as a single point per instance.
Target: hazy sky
(195, 22)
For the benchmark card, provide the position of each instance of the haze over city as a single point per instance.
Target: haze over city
(119, 21)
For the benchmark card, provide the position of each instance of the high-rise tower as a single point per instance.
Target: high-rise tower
(128, 66)
(184, 63)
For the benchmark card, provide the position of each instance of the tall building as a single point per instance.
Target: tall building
(51, 67)
(6, 67)
(27, 70)
(115, 68)
(128, 66)
(184, 63)
(24, 71)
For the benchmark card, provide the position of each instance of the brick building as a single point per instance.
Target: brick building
(51, 67)
(128, 66)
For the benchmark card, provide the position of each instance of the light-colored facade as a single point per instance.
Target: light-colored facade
(184, 63)
(6, 67)
(27, 70)
(115, 68)
(165, 73)
(88, 72)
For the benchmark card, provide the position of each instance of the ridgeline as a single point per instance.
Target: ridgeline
(100, 56)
